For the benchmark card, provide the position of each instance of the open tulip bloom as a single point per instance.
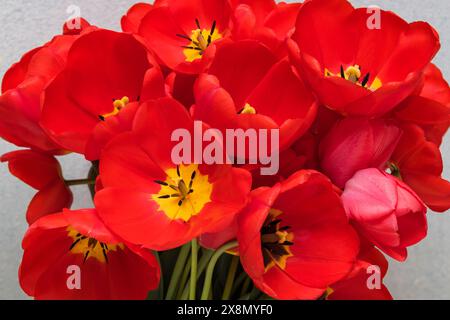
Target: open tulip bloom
(239, 149)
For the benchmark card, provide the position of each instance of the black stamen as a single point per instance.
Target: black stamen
(342, 72)
(180, 203)
(365, 80)
(197, 23)
(102, 118)
(105, 255)
(175, 195)
(86, 256)
(184, 37)
(178, 171)
(162, 183)
(191, 48)
(213, 28)
(164, 197)
(74, 244)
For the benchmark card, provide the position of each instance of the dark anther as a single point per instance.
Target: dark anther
(178, 171)
(74, 244)
(105, 255)
(213, 28)
(162, 183)
(184, 37)
(180, 203)
(102, 118)
(342, 72)
(365, 80)
(192, 48)
(164, 197)
(86, 256)
(197, 23)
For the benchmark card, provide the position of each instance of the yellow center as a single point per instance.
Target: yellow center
(248, 109)
(90, 247)
(275, 241)
(184, 193)
(200, 40)
(117, 106)
(354, 75)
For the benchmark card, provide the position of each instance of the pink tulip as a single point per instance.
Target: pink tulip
(386, 211)
(356, 144)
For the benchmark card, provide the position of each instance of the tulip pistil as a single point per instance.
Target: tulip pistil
(200, 40)
(117, 106)
(275, 241)
(354, 75)
(184, 194)
(90, 247)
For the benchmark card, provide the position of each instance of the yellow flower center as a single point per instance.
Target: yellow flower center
(117, 106)
(90, 247)
(275, 241)
(184, 193)
(200, 40)
(354, 75)
(248, 109)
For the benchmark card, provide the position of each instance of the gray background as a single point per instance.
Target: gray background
(28, 24)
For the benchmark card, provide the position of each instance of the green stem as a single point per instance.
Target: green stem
(230, 278)
(194, 261)
(245, 287)
(204, 260)
(79, 182)
(212, 265)
(161, 281)
(183, 282)
(176, 274)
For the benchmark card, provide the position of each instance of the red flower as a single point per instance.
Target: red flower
(132, 20)
(145, 190)
(22, 85)
(105, 72)
(43, 173)
(257, 92)
(430, 108)
(386, 211)
(354, 144)
(294, 239)
(418, 163)
(183, 33)
(355, 286)
(265, 21)
(109, 269)
(355, 67)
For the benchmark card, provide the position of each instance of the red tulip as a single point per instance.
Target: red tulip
(430, 107)
(386, 211)
(183, 33)
(354, 144)
(354, 65)
(145, 190)
(371, 262)
(418, 163)
(132, 20)
(258, 92)
(61, 247)
(43, 173)
(22, 86)
(265, 21)
(294, 238)
(105, 72)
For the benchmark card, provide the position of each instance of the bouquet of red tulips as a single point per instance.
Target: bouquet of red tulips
(240, 149)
